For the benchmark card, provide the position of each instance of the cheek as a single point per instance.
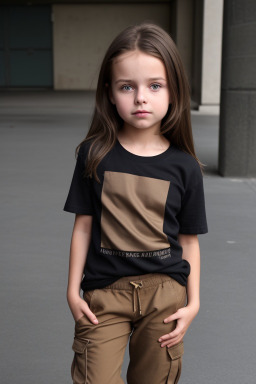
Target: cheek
(122, 107)
(162, 107)
(161, 100)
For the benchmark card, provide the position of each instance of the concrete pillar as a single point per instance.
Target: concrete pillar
(196, 78)
(211, 54)
(237, 139)
(184, 33)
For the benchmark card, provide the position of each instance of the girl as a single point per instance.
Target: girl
(137, 192)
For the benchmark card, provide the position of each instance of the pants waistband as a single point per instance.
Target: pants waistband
(148, 280)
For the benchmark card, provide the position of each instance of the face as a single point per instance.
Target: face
(139, 90)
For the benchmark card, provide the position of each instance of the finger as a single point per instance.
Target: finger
(174, 316)
(177, 331)
(169, 343)
(91, 316)
(76, 318)
(171, 335)
(173, 341)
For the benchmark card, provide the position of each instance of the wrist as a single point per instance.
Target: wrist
(73, 294)
(194, 306)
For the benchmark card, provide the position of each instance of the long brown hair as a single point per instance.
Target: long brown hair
(176, 125)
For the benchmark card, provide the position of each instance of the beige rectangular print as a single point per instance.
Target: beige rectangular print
(133, 210)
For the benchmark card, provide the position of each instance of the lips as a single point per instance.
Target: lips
(140, 111)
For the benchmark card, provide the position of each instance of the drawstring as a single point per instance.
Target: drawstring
(136, 286)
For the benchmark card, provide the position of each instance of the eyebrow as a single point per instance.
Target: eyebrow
(129, 80)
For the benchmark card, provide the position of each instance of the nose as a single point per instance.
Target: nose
(140, 97)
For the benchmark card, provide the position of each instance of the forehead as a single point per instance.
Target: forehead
(135, 64)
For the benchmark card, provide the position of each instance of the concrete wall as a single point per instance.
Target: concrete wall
(196, 78)
(83, 32)
(237, 140)
(211, 52)
(198, 35)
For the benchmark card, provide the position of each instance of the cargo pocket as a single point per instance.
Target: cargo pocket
(175, 354)
(79, 363)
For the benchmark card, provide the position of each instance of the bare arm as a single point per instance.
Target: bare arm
(191, 253)
(80, 242)
(184, 316)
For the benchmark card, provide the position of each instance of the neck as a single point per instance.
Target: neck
(142, 137)
(144, 142)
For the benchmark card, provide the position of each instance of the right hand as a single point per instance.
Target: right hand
(79, 308)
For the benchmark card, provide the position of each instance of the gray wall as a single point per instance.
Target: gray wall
(237, 141)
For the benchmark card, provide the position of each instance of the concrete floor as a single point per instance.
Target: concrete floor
(39, 132)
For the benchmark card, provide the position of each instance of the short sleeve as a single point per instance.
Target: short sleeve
(192, 216)
(79, 198)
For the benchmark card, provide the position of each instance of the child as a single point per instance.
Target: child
(137, 192)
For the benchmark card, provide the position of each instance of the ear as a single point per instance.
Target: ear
(110, 94)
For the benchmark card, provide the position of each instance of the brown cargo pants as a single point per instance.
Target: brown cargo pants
(132, 307)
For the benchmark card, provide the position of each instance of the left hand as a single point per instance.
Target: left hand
(184, 317)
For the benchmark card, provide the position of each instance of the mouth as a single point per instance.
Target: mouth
(141, 113)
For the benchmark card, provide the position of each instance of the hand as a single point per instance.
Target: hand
(79, 308)
(184, 317)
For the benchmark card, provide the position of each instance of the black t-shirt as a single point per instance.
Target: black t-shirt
(140, 206)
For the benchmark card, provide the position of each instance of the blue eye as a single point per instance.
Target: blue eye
(126, 88)
(155, 87)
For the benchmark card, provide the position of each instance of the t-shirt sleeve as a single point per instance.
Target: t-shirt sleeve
(79, 198)
(192, 216)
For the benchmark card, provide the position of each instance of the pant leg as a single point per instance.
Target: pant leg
(149, 362)
(99, 349)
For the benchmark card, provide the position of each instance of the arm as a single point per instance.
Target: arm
(80, 242)
(191, 253)
(184, 316)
